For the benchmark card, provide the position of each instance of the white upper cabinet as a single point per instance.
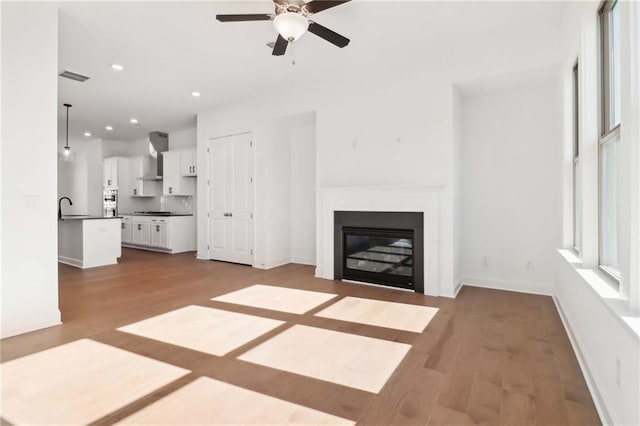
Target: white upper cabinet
(174, 183)
(188, 163)
(115, 174)
(110, 173)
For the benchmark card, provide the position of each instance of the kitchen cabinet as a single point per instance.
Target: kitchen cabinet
(126, 229)
(160, 233)
(115, 174)
(141, 233)
(188, 163)
(140, 167)
(174, 183)
(110, 173)
(168, 234)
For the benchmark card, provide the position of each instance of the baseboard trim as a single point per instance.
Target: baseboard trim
(271, 266)
(601, 402)
(149, 248)
(459, 285)
(89, 263)
(300, 261)
(518, 287)
(70, 261)
(201, 256)
(52, 322)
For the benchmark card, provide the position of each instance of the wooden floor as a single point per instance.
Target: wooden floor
(486, 357)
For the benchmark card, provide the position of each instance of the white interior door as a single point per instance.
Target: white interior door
(231, 199)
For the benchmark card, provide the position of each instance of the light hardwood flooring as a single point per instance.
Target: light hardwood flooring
(486, 357)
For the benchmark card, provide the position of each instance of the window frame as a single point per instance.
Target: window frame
(606, 100)
(577, 211)
(609, 132)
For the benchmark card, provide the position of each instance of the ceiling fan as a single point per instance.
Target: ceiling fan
(291, 21)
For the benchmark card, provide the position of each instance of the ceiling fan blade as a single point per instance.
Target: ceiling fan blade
(280, 47)
(327, 34)
(243, 18)
(316, 6)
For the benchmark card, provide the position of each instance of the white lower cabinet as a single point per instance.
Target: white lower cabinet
(173, 234)
(141, 233)
(160, 233)
(126, 229)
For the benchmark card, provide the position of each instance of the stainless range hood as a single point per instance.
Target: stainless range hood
(158, 144)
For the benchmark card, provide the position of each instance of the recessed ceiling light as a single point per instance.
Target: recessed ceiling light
(87, 134)
(117, 67)
(195, 94)
(108, 128)
(134, 121)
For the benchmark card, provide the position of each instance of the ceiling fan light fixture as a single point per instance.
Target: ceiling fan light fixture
(291, 25)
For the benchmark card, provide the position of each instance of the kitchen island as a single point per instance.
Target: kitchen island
(89, 241)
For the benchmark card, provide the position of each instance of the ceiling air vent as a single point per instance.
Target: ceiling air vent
(74, 76)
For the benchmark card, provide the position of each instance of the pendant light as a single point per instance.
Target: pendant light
(67, 149)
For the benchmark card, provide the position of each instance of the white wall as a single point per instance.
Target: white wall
(29, 128)
(302, 181)
(272, 161)
(511, 205)
(183, 139)
(456, 178)
(601, 338)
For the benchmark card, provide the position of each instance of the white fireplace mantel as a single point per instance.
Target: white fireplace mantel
(424, 199)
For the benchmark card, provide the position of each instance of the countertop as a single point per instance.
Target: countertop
(155, 215)
(86, 217)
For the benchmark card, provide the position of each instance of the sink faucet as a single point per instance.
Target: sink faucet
(60, 205)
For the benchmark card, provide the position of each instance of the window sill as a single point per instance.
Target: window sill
(605, 287)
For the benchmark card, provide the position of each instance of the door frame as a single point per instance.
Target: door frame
(208, 199)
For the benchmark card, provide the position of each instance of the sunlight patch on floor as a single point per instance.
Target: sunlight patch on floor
(208, 330)
(401, 316)
(281, 299)
(207, 401)
(347, 359)
(78, 383)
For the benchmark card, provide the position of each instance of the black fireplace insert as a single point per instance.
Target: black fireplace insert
(380, 247)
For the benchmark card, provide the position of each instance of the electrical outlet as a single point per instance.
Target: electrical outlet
(618, 372)
(528, 264)
(485, 260)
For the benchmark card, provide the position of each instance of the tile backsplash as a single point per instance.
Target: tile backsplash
(176, 204)
(183, 205)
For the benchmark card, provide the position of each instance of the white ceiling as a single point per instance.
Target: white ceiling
(170, 49)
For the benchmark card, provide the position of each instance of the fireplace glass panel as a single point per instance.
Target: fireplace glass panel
(379, 253)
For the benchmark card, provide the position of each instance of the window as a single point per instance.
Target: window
(609, 137)
(577, 179)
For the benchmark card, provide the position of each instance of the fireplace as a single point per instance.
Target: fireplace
(380, 247)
